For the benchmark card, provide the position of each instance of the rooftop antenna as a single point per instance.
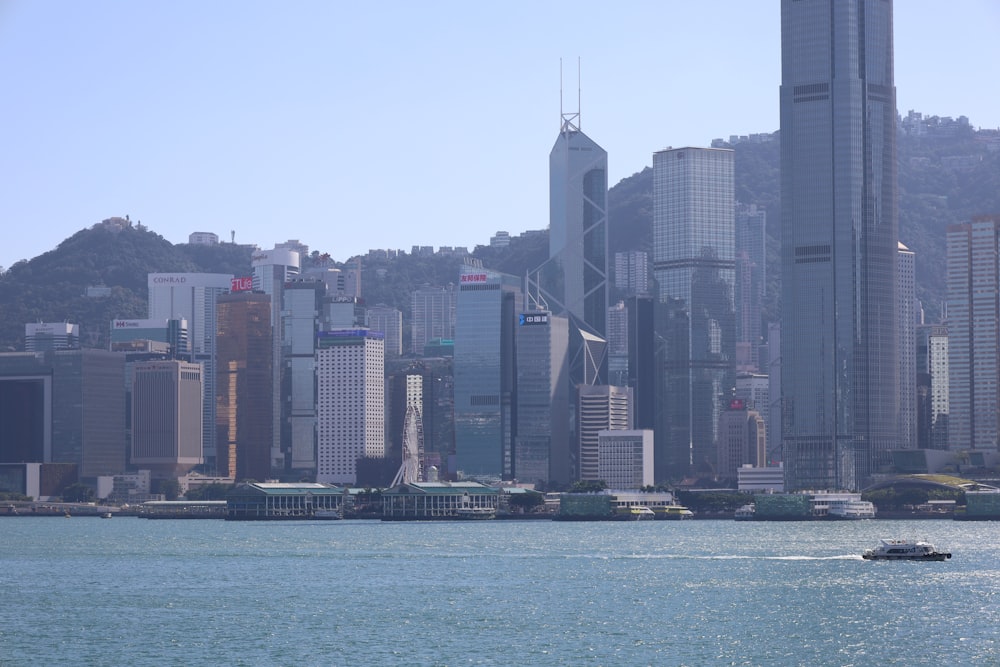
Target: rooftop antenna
(570, 121)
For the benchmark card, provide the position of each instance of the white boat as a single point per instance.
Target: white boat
(475, 512)
(636, 513)
(904, 550)
(327, 514)
(841, 505)
(745, 513)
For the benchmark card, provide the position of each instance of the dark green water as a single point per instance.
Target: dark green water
(127, 591)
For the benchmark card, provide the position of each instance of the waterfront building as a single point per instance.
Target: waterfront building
(440, 500)
(625, 458)
(485, 372)
(751, 261)
(40, 336)
(192, 297)
(283, 501)
(839, 238)
(389, 321)
(244, 386)
(599, 408)
(694, 267)
(432, 314)
(542, 450)
(64, 406)
(166, 417)
(756, 479)
(272, 270)
(973, 334)
(632, 272)
(350, 375)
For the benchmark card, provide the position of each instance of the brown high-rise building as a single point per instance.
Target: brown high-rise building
(244, 385)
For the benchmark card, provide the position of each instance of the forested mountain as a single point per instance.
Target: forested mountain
(948, 173)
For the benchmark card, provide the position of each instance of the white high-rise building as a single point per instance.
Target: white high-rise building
(192, 297)
(599, 408)
(350, 377)
(625, 458)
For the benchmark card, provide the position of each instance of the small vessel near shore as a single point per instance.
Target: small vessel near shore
(905, 550)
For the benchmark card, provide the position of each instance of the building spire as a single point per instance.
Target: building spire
(570, 122)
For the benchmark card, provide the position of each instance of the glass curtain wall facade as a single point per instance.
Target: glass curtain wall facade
(694, 266)
(542, 452)
(751, 259)
(300, 321)
(840, 368)
(574, 280)
(485, 367)
(244, 386)
(272, 269)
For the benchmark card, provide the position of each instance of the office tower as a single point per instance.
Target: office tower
(906, 325)
(742, 439)
(244, 389)
(542, 450)
(64, 406)
(932, 386)
(485, 372)
(625, 458)
(574, 280)
(618, 344)
(350, 373)
(693, 246)
(751, 259)
(389, 321)
(641, 360)
(166, 417)
(342, 312)
(632, 272)
(433, 316)
(191, 297)
(51, 336)
(272, 269)
(599, 408)
(839, 217)
(973, 334)
(300, 323)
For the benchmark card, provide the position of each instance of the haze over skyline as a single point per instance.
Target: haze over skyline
(390, 124)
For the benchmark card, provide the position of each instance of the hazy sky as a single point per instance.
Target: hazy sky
(357, 125)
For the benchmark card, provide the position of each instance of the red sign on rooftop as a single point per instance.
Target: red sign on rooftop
(244, 284)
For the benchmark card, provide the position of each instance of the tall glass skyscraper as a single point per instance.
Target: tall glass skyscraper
(485, 372)
(839, 217)
(574, 280)
(694, 265)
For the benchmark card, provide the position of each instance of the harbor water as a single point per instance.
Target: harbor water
(130, 591)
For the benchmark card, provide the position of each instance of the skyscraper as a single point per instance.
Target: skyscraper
(166, 416)
(485, 372)
(272, 269)
(244, 386)
(839, 237)
(973, 334)
(389, 321)
(750, 273)
(693, 261)
(542, 451)
(192, 296)
(599, 408)
(574, 280)
(350, 378)
(907, 327)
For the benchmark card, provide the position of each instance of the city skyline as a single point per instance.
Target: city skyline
(195, 117)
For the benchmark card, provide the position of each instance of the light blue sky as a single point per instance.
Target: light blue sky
(357, 125)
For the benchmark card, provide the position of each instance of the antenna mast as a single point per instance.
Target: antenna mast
(570, 121)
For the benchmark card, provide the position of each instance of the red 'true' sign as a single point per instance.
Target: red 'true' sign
(241, 284)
